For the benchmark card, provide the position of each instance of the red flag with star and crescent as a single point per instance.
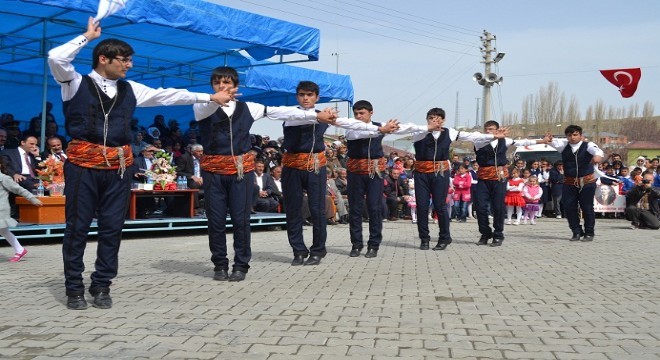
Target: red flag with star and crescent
(625, 79)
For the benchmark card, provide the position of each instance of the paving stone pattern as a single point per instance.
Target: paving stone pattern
(537, 297)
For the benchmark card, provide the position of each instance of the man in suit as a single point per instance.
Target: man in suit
(188, 165)
(22, 163)
(265, 190)
(143, 162)
(54, 147)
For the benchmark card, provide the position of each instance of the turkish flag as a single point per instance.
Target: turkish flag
(625, 79)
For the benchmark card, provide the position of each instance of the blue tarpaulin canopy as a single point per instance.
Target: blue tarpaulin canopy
(177, 44)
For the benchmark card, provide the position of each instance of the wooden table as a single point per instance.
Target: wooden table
(184, 211)
(52, 212)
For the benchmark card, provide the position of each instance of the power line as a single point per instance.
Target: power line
(361, 30)
(363, 20)
(434, 22)
(397, 16)
(572, 72)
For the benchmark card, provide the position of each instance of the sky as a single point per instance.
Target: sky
(406, 57)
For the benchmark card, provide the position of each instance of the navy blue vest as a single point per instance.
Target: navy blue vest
(426, 149)
(486, 155)
(84, 116)
(577, 164)
(299, 139)
(215, 128)
(363, 149)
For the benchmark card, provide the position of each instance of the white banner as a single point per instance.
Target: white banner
(608, 199)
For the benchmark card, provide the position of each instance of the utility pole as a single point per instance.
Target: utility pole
(488, 78)
(476, 117)
(336, 103)
(458, 112)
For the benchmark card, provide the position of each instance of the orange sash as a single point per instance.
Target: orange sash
(494, 173)
(364, 167)
(227, 164)
(90, 155)
(304, 161)
(579, 181)
(428, 167)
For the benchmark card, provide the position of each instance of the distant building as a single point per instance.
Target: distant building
(647, 149)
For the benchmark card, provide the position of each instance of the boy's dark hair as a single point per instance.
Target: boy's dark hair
(557, 163)
(570, 129)
(225, 72)
(111, 48)
(25, 136)
(3, 165)
(463, 166)
(474, 162)
(436, 112)
(308, 86)
(362, 105)
(625, 167)
(492, 123)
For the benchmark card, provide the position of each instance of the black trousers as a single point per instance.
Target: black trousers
(294, 181)
(359, 186)
(489, 196)
(573, 199)
(642, 218)
(89, 192)
(427, 186)
(227, 194)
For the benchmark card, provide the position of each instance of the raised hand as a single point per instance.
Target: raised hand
(224, 96)
(93, 30)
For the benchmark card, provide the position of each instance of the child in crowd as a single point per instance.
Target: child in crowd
(7, 185)
(462, 183)
(473, 187)
(532, 193)
(412, 204)
(526, 173)
(514, 197)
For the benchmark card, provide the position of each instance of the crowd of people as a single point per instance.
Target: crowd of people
(350, 180)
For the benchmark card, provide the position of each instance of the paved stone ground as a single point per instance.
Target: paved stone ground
(537, 297)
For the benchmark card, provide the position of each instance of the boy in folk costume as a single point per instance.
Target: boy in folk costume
(579, 158)
(228, 168)
(99, 108)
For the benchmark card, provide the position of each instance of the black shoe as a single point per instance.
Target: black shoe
(424, 245)
(440, 246)
(497, 242)
(313, 260)
(355, 252)
(332, 222)
(576, 237)
(221, 275)
(237, 275)
(298, 260)
(76, 302)
(371, 253)
(102, 300)
(588, 238)
(483, 240)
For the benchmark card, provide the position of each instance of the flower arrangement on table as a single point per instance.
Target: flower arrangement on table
(51, 173)
(162, 172)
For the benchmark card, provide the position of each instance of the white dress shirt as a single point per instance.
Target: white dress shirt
(59, 61)
(258, 111)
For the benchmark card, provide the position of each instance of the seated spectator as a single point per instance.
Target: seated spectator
(276, 174)
(643, 204)
(265, 190)
(138, 143)
(188, 165)
(341, 182)
(337, 198)
(396, 194)
(21, 165)
(52, 131)
(13, 131)
(54, 147)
